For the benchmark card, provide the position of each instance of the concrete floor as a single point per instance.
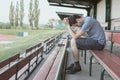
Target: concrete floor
(83, 75)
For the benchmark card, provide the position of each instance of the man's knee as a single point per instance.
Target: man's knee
(73, 42)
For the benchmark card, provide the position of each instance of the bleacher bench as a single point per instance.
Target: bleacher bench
(33, 56)
(16, 71)
(9, 61)
(52, 69)
(109, 61)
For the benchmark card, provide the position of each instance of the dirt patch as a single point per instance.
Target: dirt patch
(5, 38)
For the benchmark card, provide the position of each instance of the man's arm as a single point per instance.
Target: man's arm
(72, 33)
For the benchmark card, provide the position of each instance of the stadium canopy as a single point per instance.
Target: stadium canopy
(65, 14)
(81, 4)
(89, 5)
(78, 4)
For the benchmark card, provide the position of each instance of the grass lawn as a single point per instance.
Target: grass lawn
(20, 44)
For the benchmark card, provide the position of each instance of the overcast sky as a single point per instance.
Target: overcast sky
(46, 12)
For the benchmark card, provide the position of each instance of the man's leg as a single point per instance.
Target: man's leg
(75, 50)
(75, 67)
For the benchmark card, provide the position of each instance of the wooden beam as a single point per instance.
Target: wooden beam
(72, 6)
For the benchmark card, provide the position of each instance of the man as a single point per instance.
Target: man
(95, 40)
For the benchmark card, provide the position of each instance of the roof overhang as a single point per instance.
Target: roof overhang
(81, 4)
(65, 14)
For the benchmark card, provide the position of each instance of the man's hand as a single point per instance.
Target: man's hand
(72, 33)
(66, 21)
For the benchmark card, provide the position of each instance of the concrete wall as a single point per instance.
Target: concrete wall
(115, 9)
(115, 12)
(101, 11)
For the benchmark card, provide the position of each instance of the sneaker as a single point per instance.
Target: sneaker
(73, 70)
(70, 66)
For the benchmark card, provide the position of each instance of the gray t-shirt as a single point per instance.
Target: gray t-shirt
(94, 30)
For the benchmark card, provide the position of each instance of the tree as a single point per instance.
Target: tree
(11, 14)
(51, 22)
(17, 14)
(31, 15)
(36, 13)
(21, 12)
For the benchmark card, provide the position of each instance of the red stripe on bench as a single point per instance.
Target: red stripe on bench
(116, 37)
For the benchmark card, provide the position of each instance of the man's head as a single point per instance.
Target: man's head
(75, 20)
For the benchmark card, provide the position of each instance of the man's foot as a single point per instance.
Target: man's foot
(73, 70)
(70, 66)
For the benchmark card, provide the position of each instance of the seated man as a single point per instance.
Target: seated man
(95, 40)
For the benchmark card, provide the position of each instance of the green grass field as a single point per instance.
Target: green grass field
(20, 44)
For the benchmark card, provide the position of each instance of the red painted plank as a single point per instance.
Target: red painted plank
(107, 60)
(116, 37)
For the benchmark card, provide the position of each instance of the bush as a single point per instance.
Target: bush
(5, 26)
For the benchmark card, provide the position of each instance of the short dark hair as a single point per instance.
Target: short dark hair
(72, 19)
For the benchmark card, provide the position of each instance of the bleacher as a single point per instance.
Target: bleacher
(20, 68)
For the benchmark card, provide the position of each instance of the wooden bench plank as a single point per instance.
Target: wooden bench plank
(106, 59)
(53, 72)
(46, 40)
(49, 63)
(33, 48)
(9, 60)
(34, 57)
(109, 61)
(51, 75)
(4, 63)
(38, 45)
(50, 41)
(29, 50)
(34, 54)
(44, 70)
(14, 69)
(22, 63)
(8, 73)
(18, 69)
(116, 37)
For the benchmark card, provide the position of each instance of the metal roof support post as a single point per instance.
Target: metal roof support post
(88, 11)
(95, 10)
(108, 14)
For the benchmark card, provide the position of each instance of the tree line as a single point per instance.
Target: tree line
(16, 14)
